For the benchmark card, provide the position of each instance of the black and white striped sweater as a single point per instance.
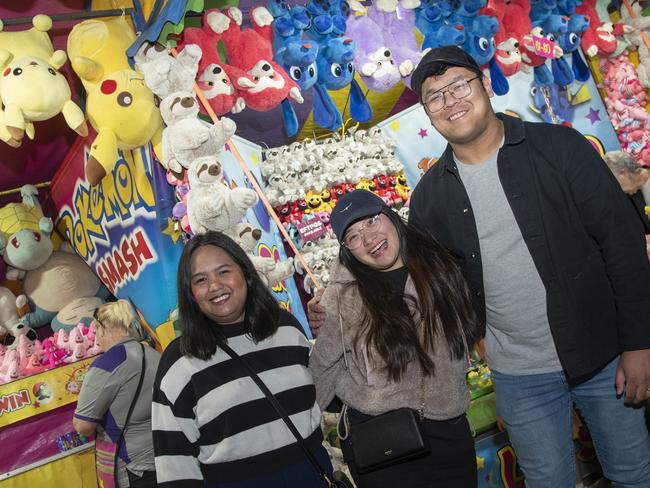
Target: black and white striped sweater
(212, 423)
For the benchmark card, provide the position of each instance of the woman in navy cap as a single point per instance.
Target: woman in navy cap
(397, 334)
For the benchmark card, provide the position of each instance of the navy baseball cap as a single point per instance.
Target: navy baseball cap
(352, 207)
(444, 55)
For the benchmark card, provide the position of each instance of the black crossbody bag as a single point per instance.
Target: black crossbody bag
(387, 439)
(338, 480)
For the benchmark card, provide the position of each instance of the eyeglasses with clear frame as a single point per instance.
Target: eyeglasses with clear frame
(459, 89)
(354, 239)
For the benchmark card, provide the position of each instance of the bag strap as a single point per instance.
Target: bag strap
(128, 415)
(279, 409)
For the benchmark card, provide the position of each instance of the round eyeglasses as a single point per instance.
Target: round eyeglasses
(354, 239)
(458, 89)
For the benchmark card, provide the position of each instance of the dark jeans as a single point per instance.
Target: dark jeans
(451, 462)
(148, 479)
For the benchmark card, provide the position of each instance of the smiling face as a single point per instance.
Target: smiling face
(460, 121)
(379, 247)
(218, 285)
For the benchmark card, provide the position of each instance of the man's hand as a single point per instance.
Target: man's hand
(316, 312)
(633, 375)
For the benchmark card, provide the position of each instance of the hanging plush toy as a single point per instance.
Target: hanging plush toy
(291, 50)
(270, 271)
(251, 51)
(570, 42)
(186, 138)
(211, 204)
(373, 59)
(479, 43)
(398, 32)
(165, 74)
(633, 36)
(31, 87)
(555, 27)
(120, 106)
(600, 38)
(217, 79)
(432, 20)
(506, 54)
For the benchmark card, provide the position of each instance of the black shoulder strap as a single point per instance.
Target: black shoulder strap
(278, 408)
(128, 415)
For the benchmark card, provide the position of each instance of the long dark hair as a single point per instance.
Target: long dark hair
(443, 302)
(200, 336)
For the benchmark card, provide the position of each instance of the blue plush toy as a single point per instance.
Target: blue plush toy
(335, 71)
(555, 26)
(479, 43)
(570, 42)
(540, 10)
(446, 35)
(299, 60)
(327, 18)
(567, 7)
(432, 15)
(465, 11)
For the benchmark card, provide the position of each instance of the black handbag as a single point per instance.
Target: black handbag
(385, 440)
(339, 479)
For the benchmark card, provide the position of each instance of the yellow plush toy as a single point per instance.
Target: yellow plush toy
(120, 107)
(31, 87)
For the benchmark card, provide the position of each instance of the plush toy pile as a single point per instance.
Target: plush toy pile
(29, 357)
(305, 179)
(625, 102)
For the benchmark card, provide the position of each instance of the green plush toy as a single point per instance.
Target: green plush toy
(31, 87)
(121, 108)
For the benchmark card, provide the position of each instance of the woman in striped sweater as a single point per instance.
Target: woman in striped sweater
(212, 426)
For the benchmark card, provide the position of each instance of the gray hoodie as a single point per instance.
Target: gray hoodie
(364, 385)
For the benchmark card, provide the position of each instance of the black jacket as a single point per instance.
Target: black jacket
(584, 237)
(639, 205)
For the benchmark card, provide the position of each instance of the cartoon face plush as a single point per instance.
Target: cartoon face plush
(31, 88)
(219, 90)
(211, 205)
(187, 138)
(373, 59)
(299, 60)
(120, 106)
(265, 82)
(25, 234)
(124, 113)
(335, 69)
(165, 74)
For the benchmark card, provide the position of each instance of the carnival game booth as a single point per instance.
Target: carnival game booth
(141, 153)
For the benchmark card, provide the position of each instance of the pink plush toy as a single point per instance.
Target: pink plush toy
(52, 355)
(625, 103)
(78, 353)
(62, 340)
(32, 366)
(12, 371)
(95, 349)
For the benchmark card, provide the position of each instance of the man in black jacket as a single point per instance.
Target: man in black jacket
(556, 262)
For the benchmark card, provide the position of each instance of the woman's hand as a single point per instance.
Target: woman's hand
(316, 312)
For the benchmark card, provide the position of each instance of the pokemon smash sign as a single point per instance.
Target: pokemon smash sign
(118, 227)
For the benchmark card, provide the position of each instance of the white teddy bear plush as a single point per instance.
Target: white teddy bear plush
(163, 73)
(187, 138)
(9, 320)
(211, 204)
(270, 271)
